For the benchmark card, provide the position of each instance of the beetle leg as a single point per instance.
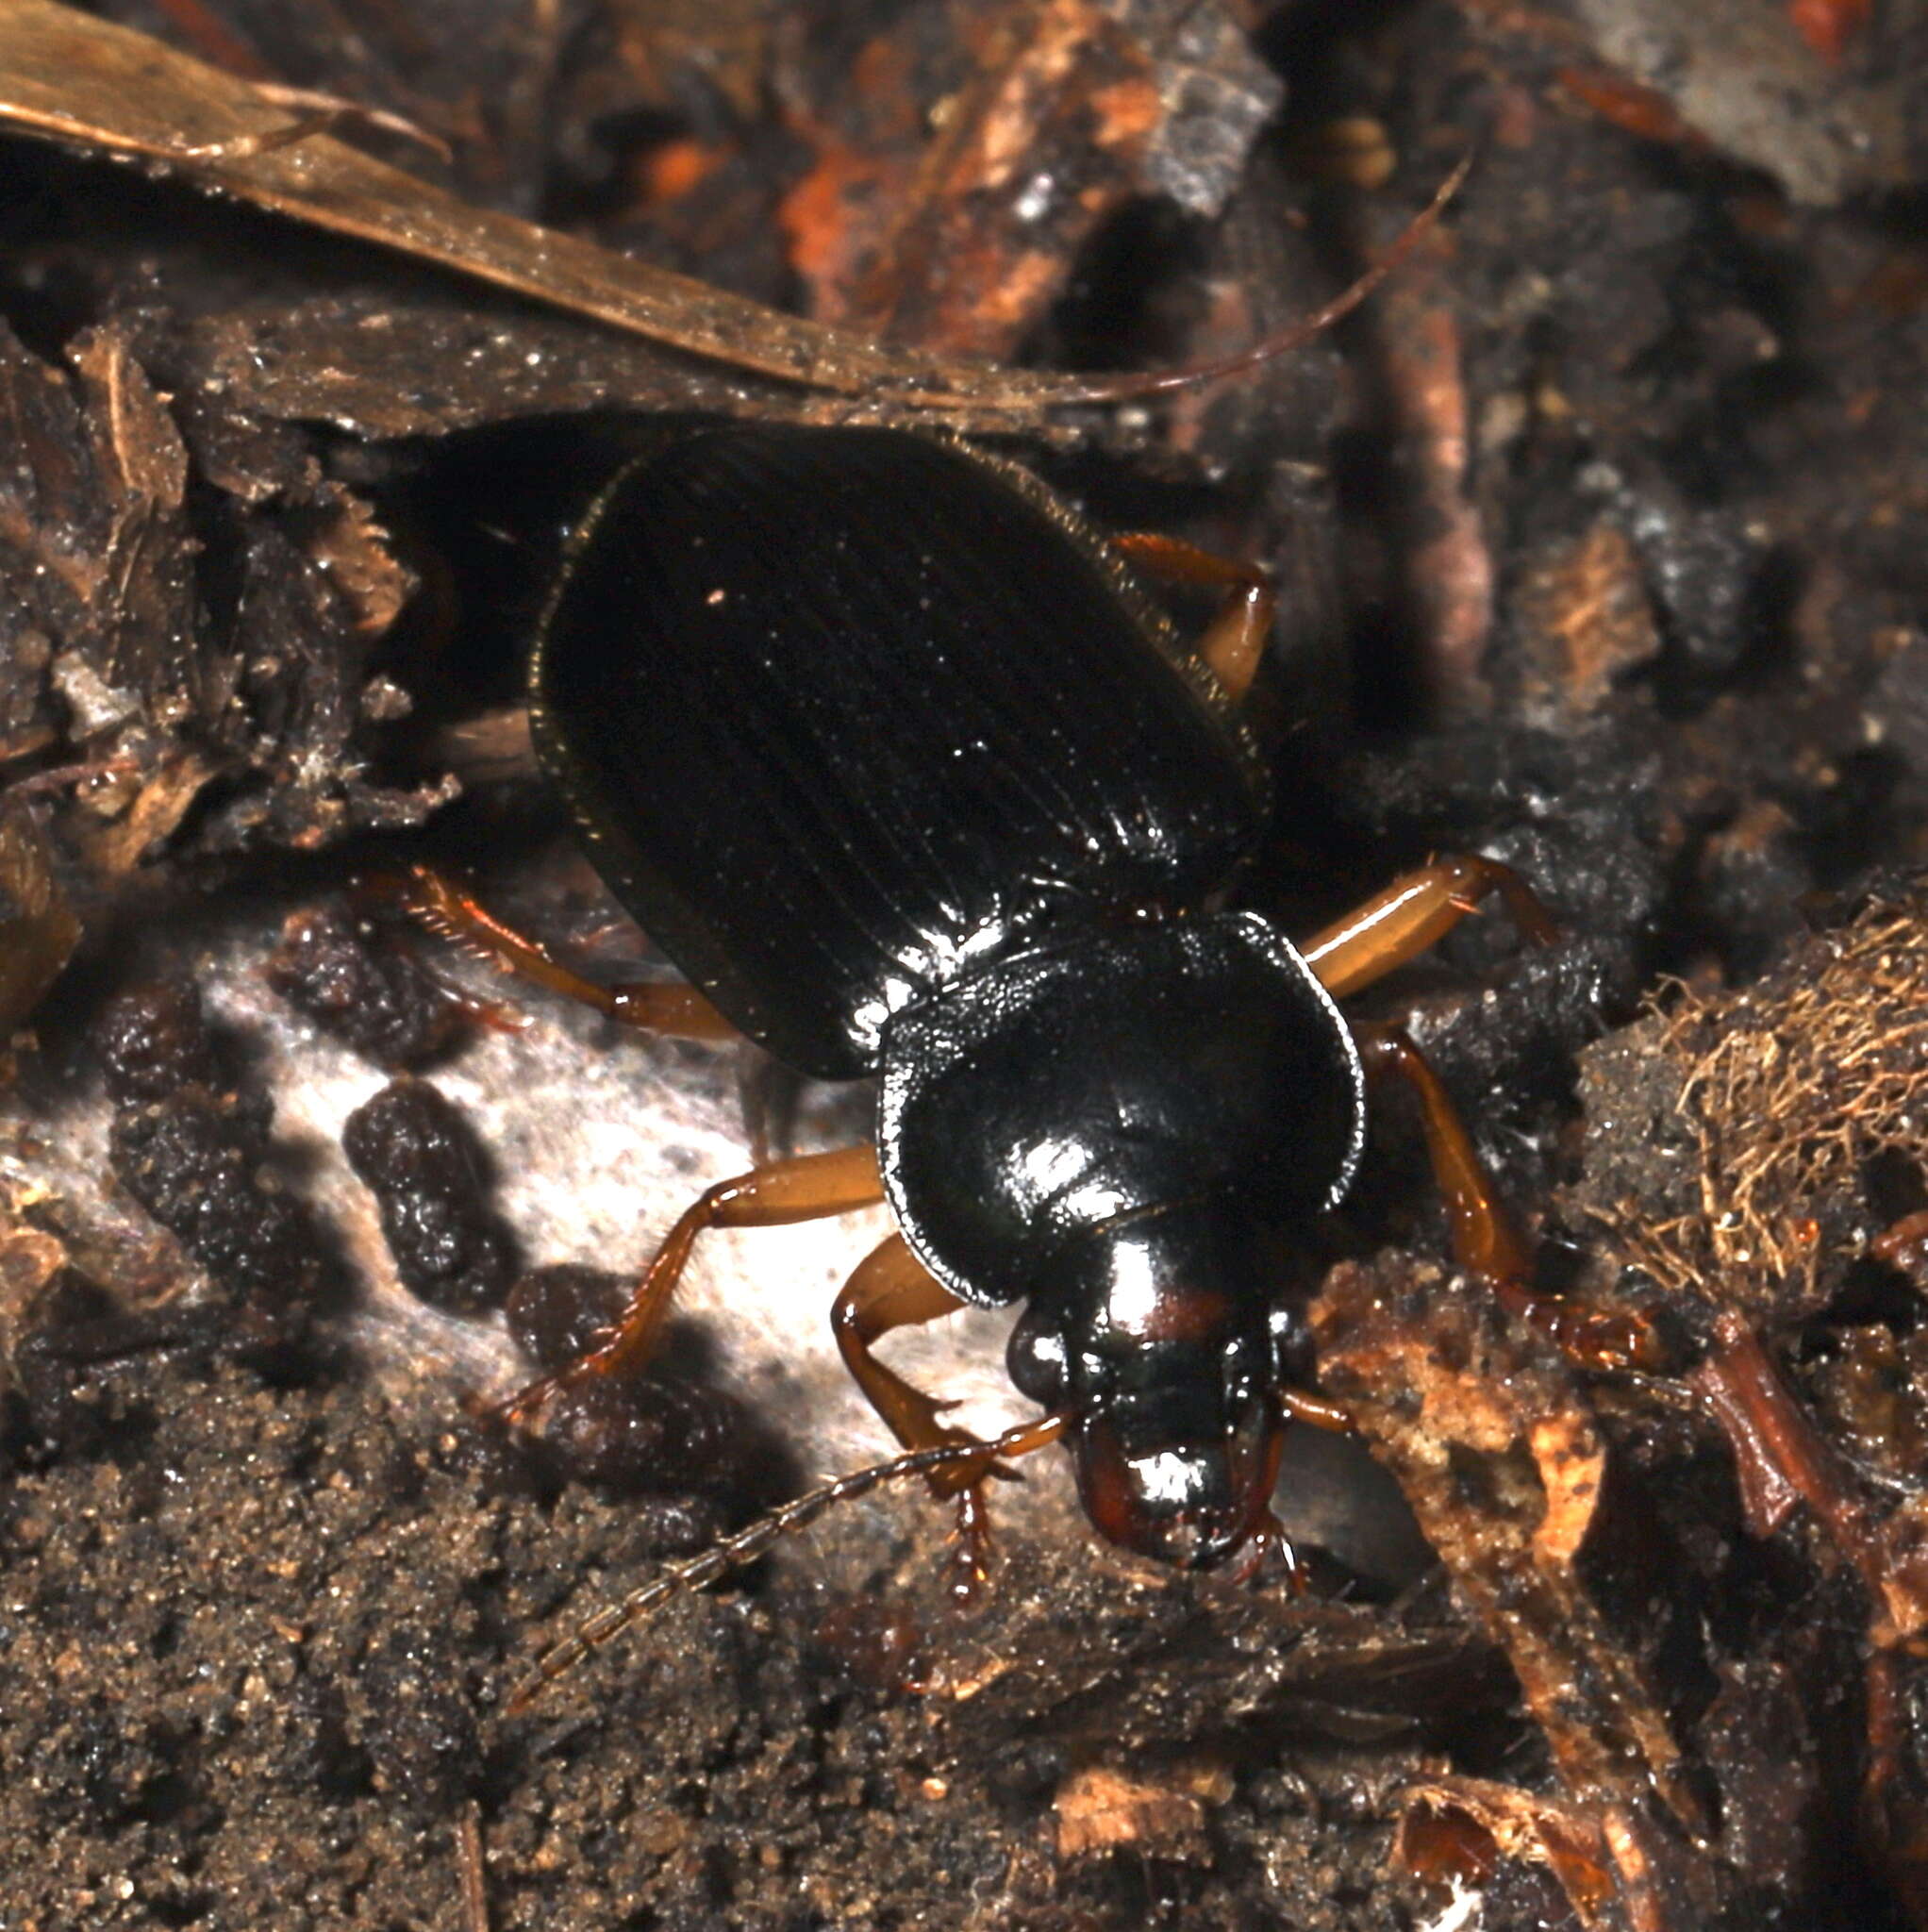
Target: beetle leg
(658, 1006)
(1484, 1239)
(1320, 1411)
(1236, 638)
(892, 1288)
(1414, 912)
(807, 1186)
(1269, 1544)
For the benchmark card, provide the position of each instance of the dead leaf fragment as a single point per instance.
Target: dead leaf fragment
(95, 547)
(38, 929)
(1586, 620)
(1100, 1810)
(1502, 1465)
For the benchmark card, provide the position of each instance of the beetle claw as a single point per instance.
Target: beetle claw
(520, 1411)
(967, 1581)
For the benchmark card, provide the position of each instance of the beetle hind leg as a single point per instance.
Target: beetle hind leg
(1485, 1242)
(436, 900)
(892, 1288)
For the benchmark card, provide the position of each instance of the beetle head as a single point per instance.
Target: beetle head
(1156, 1335)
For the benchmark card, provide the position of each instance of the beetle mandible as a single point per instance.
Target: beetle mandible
(887, 748)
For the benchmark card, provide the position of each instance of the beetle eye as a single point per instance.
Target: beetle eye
(1035, 1359)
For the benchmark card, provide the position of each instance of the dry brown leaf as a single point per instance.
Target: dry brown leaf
(104, 88)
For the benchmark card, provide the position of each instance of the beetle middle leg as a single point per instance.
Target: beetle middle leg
(445, 907)
(892, 1288)
(1236, 638)
(1416, 911)
(1485, 1242)
(807, 1186)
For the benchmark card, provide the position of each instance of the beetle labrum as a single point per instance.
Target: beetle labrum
(890, 753)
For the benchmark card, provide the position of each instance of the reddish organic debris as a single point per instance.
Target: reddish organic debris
(1449, 567)
(1781, 1459)
(1584, 622)
(1504, 1465)
(1763, 82)
(1054, 118)
(1465, 1832)
(68, 76)
(1099, 1811)
(1829, 26)
(1642, 111)
(1544, 1533)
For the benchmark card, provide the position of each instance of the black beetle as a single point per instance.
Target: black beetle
(888, 751)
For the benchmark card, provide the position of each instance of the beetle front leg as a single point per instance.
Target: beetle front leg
(1484, 1239)
(808, 1186)
(1236, 638)
(892, 1288)
(446, 908)
(1416, 912)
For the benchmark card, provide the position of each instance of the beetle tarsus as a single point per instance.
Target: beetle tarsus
(1412, 914)
(435, 902)
(1485, 1242)
(968, 1579)
(1236, 638)
(1271, 1548)
(1588, 1337)
(892, 1288)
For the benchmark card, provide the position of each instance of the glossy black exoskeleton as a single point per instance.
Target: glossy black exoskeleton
(887, 750)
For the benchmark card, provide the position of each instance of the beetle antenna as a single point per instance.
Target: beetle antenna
(733, 1552)
(1295, 335)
